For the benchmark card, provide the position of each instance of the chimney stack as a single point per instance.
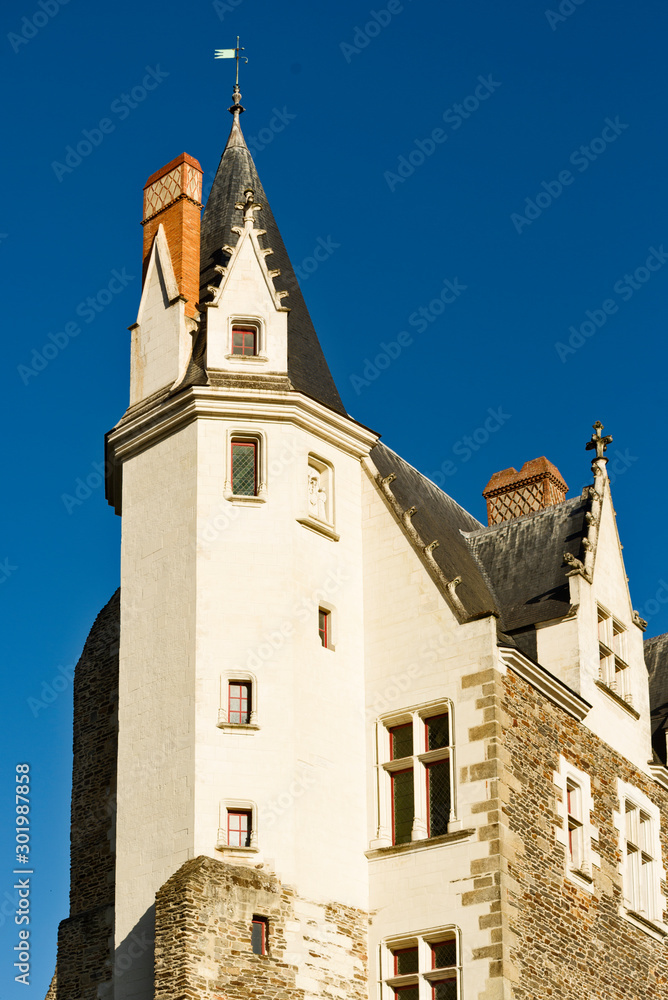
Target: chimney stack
(511, 494)
(172, 196)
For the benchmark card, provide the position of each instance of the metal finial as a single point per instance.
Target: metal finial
(237, 107)
(598, 442)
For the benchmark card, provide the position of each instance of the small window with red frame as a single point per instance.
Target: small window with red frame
(239, 702)
(324, 627)
(239, 828)
(244, 341)
(259, 936)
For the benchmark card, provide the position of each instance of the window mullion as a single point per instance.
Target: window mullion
(384, 820)
(424, 965)
(420, 828)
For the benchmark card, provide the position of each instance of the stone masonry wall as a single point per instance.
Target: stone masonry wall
(203, 939)
(564, 941)
(85, 937)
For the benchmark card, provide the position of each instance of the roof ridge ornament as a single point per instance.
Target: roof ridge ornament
(600, 443)
(248, 206)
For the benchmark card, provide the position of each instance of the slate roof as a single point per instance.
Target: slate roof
(514, 570)
(524, 561)
(656, 660)
(307, 368)
(439, 516)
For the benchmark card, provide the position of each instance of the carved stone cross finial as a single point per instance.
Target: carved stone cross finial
(249, 205)
(598, 442)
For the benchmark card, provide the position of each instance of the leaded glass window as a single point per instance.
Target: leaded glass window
(244, 468)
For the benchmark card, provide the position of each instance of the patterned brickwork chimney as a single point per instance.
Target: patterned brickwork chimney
(510, 493)
(172, 196)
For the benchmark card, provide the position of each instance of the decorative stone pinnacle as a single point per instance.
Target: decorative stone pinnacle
(598, 442)
(248, 206)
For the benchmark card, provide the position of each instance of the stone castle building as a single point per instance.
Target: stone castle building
(334, 737)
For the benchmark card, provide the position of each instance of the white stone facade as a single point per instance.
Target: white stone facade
(218, 587)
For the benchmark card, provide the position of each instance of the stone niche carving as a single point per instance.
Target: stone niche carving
(319, 490)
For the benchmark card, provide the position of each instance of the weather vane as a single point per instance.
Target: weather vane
(233, 54)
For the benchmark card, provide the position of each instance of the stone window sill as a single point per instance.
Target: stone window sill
(419, 845)
(234, 851)
(252, 358)
(237, 727)
(583, 880)
(616, 698)
(243, 501)
(654, 928)
(320, 527)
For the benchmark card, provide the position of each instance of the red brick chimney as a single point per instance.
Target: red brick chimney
(172, 196)
(510, 493)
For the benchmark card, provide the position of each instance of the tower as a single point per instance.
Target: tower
(236, 470)
(334, 736)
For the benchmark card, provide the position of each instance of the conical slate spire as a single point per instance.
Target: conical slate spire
(307, 368)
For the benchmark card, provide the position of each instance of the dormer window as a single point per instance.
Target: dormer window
(244, 341)
(614, 670)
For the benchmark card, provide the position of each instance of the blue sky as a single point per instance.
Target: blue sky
(514, 153)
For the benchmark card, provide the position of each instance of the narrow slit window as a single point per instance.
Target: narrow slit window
(259, 935)
(438, 797)
(324, 630)
(239, 702)
(575, 825)
(403, 806)
(244, 468)
(238, 828)
(244, 341)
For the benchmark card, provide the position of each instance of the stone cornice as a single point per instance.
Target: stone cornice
(660, 774)
(414, 846)
(134, 434)
(545, 682)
